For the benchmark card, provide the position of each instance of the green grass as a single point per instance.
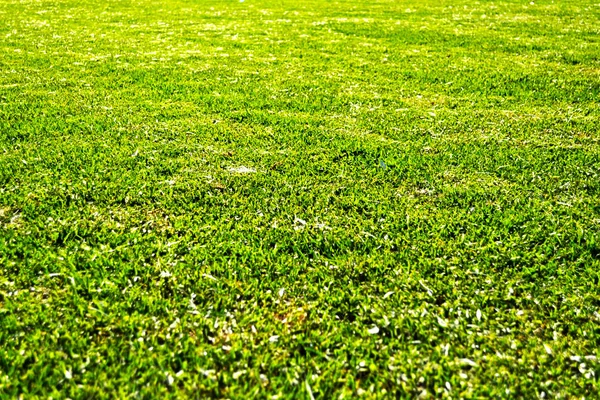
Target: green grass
(299, 198)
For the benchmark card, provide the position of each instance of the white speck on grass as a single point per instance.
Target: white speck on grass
(309, 390)
(68, 374)
(374, 330)
(178, 374)
(445, 348)
(236, 375)
(469, 362)
(208, 372)
(170, 379)
(174, 324)
(547, 348)
(165, 274)
(281, 292)
(442, 322)
(388, 294)
(429, 291)
(299, 223)
(274, 339)
(321, 226)
(192, 304)
(242, 170)
(209, 277)
(478, 315)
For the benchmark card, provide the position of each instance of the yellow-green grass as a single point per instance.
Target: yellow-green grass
(297, 199)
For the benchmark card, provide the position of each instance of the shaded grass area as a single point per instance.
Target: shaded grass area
(284, 199)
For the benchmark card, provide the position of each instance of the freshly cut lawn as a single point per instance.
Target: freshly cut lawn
(299, 199)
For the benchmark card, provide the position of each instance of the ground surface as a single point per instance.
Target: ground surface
(299, 198)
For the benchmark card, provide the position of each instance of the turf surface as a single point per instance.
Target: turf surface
(300, 199)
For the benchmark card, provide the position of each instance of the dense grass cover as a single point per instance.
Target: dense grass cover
(299, 198)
